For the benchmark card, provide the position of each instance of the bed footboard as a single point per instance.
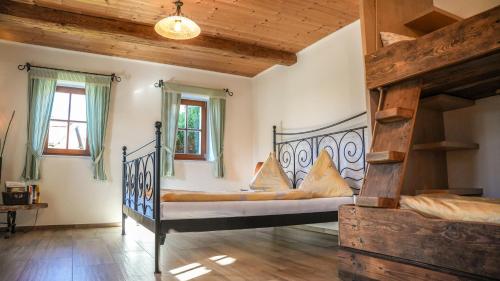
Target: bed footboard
(141, 188)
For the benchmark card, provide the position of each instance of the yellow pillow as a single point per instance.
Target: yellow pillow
(454, 207)
(389, 38)
(271, 176)
(323, 180)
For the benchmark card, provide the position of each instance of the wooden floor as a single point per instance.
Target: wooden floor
(103, 254)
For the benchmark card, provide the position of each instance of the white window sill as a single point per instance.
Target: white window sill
(65, 156)
(192, 160)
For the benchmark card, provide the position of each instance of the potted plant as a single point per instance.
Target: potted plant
(2, 145)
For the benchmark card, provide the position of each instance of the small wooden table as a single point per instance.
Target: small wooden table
(12, 212)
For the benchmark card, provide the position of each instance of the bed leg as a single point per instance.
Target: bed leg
(157, 252)
(162, 239)
(123, 223)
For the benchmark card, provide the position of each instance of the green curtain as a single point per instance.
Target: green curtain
(41, 89)
(216, 117)
(97, 94)
(170, 104)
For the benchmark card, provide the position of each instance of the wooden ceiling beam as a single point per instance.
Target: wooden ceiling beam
(32, 17)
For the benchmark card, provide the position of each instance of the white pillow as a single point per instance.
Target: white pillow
(324, 180)
(271, 176)
(389, 38)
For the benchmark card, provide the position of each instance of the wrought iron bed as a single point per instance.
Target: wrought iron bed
(141, 180)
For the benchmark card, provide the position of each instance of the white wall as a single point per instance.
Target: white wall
(325, 85)
(67, 184)
(475, 168)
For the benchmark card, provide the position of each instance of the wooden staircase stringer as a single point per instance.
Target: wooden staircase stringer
(384, 180)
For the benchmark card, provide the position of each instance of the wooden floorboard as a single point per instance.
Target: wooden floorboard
(279, 254)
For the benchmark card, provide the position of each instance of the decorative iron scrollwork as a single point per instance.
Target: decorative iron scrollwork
(346, 148)
(139, 177)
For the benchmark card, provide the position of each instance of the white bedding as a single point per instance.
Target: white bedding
(198, 210)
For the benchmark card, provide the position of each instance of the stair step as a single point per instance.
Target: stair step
(393, 115)
(445, 146)
(379, 202)
(445, 102)
(457, 191)
(384, 157)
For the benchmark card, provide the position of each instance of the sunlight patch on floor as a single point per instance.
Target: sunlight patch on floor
(193, 270)
(181, 269)
(188, 275)
(216, 258)
(226, 261)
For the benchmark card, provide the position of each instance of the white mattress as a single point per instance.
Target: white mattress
(198, 210)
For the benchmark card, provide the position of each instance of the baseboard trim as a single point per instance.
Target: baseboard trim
(66, 226)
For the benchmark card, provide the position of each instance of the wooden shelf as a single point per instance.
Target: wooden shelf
(5, 208)
(432, 20)
(385, 157)
(393, 115)
(457, 191)
(445, 146)
(445, 102)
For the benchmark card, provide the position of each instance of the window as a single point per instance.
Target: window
(191, 133)
(68, 123)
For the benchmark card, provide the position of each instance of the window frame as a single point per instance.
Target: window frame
(203, 130)
(64, 151)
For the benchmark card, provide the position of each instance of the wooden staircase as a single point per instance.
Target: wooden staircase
(391, 143)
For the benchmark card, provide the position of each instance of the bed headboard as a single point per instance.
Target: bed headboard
(344, 140)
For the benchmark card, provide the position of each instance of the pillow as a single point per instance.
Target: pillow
(271, 176)
(323, 180)
(389, 38)
(257, 167)
(454, 207)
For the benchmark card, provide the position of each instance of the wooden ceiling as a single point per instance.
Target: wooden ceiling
(238, 37)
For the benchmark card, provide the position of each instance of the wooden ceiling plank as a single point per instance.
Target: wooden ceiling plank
(264, 23)
(31, 16)
(71, 22)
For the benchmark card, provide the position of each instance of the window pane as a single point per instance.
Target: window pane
(194, 117)
(57, 134)
(78, 110)
(193, 142)
(60, 106)
(77, 136)
(179, 144)
(182, 117)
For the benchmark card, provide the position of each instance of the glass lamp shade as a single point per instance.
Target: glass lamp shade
(177, 27)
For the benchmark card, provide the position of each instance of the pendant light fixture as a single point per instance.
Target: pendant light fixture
(177, 26)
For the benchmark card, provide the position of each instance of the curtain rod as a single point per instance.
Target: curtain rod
(161, 83)
(28, 67)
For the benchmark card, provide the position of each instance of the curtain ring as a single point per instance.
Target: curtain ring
(159, 84)
(26, 66)
(116, 78)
